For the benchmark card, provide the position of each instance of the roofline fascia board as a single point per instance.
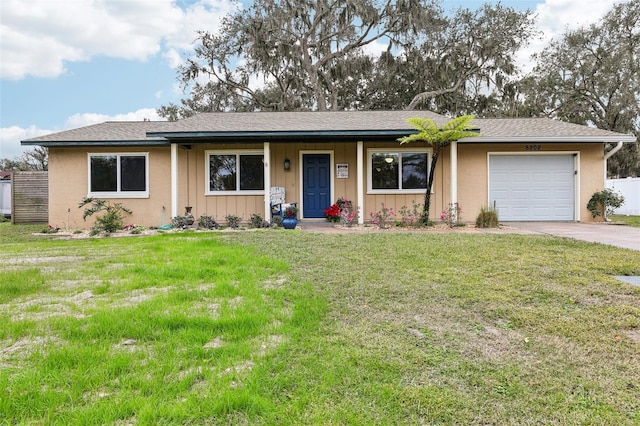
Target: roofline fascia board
(556, 139)
(280, 134)
(66, 144)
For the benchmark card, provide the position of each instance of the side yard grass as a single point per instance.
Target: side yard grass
(627, 220)
(290, 327)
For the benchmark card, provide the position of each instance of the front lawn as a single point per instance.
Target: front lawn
(291, 327)
(627, 220)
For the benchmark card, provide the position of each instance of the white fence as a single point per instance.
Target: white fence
(630, 190)
(5, 197)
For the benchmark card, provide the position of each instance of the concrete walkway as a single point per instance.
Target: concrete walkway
(605, 233)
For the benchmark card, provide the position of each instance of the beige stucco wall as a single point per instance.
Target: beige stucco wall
(473, 173)
(68, 176)
(68, 185)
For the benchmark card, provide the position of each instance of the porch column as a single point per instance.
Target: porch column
(267, 181)
(454, 177)
(174, 180)
(360, 182)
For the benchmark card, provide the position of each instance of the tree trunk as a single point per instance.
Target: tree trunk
(427, 196)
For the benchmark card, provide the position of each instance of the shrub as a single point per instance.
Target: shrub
(136, 230)
(232, 221)
(276, 221)
(180, 222)
(256, 221)
(383, 218)
(110, 221)
(451, 215)
(207, 222)
(488, 218)
(336, 212)
(349, 217)
(603, 203)
(332, 213)
(410, 217)
(50, 230)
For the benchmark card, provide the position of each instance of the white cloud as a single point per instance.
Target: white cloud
(375, 49)
(10, 137)
(555, 17)
(39, 36)
(87, 119)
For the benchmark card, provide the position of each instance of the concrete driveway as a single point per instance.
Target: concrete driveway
(605, 233)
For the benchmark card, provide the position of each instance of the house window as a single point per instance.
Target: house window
(398, 170)
(119, 175)
(235, 172)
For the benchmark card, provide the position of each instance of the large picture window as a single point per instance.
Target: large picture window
(229, 172)
(398, 170)
(119, 175)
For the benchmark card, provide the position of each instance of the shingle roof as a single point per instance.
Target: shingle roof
(118, 132)
(339, 125)
(313, 121)
(515, 129)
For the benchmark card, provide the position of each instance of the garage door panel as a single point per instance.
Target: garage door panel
(541, 212)
(541, 195)
(518, 194)
(562, 194)
(541, 177)
(519, 178)
(532, 187)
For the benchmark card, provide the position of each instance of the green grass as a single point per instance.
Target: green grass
(628, 220)
(290, 327)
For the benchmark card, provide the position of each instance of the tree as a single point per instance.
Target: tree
(438, 139)
(464, 65)
(311, 55)
(591, 76)
(304, 52)
(36, 159)
(604, 203)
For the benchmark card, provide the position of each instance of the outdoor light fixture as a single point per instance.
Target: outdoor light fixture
(389, 159)
(287, 164)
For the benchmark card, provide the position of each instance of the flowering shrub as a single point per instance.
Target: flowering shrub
(332, 213)
(349, 217)
(383, 218)
(335, 212)
(451, 216)
(410, 217)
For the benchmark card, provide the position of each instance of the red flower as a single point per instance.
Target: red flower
(332, 213)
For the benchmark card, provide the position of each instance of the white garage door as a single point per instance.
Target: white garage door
(532, 187)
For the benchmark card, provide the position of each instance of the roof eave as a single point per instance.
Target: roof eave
(283, 134)
(71, 144)
(546, 139)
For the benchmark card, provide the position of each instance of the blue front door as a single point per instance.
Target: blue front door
(316, 184)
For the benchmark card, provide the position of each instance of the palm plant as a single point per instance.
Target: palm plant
(437, 138)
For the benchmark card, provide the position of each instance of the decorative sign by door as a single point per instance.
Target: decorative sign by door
(342, 171)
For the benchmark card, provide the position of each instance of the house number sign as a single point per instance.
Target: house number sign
(342, 171)
(533, 147)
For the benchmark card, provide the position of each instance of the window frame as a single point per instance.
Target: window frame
(238, 154)
(118, 193)
(399, 151)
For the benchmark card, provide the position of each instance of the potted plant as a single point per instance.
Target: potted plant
(290, 217)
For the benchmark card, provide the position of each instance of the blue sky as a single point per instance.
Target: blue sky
(71, 63)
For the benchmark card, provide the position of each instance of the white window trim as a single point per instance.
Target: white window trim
(370, 151)
(237, 153)
(118, 193)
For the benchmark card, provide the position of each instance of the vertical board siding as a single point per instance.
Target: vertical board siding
(30, 198)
